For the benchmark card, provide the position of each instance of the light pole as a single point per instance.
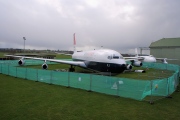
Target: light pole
(24, 43)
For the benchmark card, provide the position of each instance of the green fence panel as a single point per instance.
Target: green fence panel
(44, 76)
(21, 72)
(148, 65)
(60, 78)
(36, 62)
(155, 65)
(173, 67)
(160, 87)
(33, 62)
(147, 89)
(79, 80)
(171, 84)
(4, 69)
(12, 71)
(10, 62)
(103, 84)
(32, 74)
(176, 74)
(130, 88)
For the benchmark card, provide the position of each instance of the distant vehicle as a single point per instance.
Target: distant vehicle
(103, 60)
(148, 58)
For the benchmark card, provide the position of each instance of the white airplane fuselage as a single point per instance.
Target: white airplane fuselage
(148, 58)
(103, 60)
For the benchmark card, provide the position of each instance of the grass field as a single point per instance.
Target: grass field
(26, 100)
(61, 56)
(1, 54)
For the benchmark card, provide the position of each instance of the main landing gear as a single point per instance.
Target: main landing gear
(71, 69)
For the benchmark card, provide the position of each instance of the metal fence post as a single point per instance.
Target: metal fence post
(8, 68)
(168, 96)
(68, 80)
(90, 83)
(51, 78)
(37, 75)
(168, 86)
(1, 68)
(26, 74)
(151, 101)
(16, 72)
(117, 82)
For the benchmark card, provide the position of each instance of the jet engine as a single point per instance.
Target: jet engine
(164, 61)
(128, 67)
(137, 63)
(21, 62)
(44, 66)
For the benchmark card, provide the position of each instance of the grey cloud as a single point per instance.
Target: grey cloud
(119, 25)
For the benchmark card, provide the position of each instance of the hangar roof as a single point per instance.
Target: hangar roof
(166, 42)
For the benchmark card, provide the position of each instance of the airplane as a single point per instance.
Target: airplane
(148, 58)
(102, 60)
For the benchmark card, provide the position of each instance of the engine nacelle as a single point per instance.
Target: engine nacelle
(44, 66)
(140, 71)
(21, 62)
(137, 63)
(128, 67)
(164, 61)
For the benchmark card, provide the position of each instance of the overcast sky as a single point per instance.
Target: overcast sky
(121, 25)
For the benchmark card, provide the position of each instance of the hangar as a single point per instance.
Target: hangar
(166, 48)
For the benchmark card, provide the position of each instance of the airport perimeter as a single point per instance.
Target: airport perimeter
(123, 87)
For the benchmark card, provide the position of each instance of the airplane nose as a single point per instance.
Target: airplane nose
(121, 68)
(154, 59)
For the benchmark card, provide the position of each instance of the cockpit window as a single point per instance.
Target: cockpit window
(115, 57)
(121, 57)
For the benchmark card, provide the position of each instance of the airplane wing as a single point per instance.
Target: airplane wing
(75, 63)
(164, 59)
(64, 54)
(135, 61)
(130, 60)
(133, 58)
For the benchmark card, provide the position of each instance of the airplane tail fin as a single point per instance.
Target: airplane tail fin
(74, 40)
(136, 52)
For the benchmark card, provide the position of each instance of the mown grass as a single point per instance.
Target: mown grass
(27, 100)
(2, 54)
(61, 56)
